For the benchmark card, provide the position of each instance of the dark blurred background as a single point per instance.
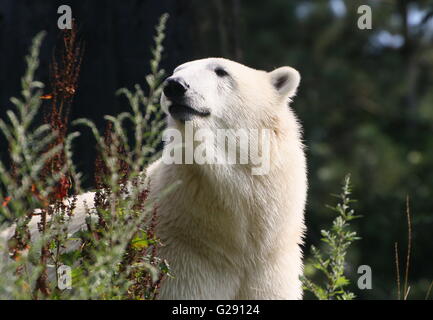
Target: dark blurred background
(365, 100)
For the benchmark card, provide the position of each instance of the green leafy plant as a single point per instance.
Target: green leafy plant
(332, 260)
(115, 256)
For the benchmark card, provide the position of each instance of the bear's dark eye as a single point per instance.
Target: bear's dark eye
(220, 72)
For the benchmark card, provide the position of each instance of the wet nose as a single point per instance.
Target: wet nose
(175, 88)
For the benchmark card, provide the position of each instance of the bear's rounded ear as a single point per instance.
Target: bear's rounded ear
(285, 80)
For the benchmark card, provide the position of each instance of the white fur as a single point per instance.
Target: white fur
(229, 234)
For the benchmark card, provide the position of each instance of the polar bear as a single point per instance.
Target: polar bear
(229, 233)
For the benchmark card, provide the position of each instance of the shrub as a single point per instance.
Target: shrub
(331, 261)
(115, 257)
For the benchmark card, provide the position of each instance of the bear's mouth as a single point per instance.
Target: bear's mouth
(184, 112)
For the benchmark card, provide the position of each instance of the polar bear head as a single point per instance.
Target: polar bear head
(217, 92)
(222, 112)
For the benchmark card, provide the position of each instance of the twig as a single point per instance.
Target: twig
(407, 293)
(397, 271)
(428, 291)
(409, 245)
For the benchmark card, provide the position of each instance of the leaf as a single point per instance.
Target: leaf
(139, 243)
(342, 282)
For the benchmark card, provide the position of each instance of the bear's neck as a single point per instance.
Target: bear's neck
(219, 205)
(228, 205)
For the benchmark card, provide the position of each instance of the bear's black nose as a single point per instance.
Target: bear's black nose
(175, 88)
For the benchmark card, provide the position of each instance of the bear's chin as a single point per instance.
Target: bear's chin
(184, 113)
